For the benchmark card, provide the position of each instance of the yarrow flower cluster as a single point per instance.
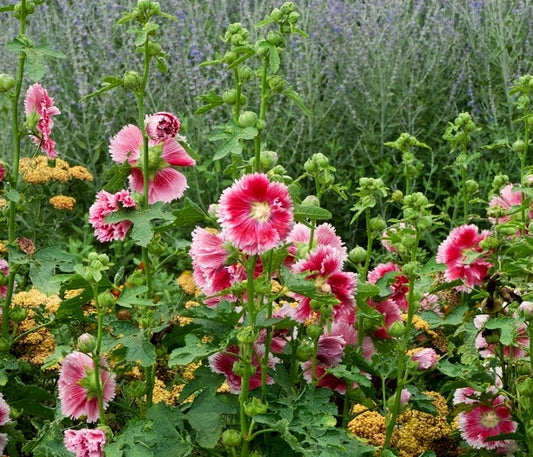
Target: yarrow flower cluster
(40, 108)
(77, 389)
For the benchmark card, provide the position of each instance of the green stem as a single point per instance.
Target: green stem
(463, 184)
(96, 355)
(238, 89)
(13, 182)
(262, 113)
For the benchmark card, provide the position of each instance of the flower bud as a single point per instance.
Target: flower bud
(136, 389)
(275, 38)
(525, 387)
(86, 343)
(304, 351)
(357, 254)
(276, 14)
(310, 166)
(471, 186)
(7, 82)
(396, 329)
(310, 200)
(153, 48)
(293, 17)
(287, 8)
(508, 229)
(262, 48)
(230, 96)
(231, 437)
(248, 119)
(276, 83)
(313, 331)
(489, 243)
(518, 146)
(162, 126)
(247, 335)
(244, 72)
(397, 196)
(268, 159)
(5, 345)
(131, 80)
(255, 407)
(377, 224)
(321, 160)
(18, 314)
(239, 368)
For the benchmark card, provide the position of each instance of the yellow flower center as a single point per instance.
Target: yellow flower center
(260, 211)
(490, 419)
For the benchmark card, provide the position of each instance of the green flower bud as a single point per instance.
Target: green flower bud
(230, 96)
(489, 243)
(248, 119)
(275, 38)
(357, 255)
(397, 196)
(276, 83)
(525, 387)
(247, 335)
(293, 17)
(311, 200)
(262, 48)
(261, 124)
(3, 279)
(239, 368)
(229, 57)
(231, 437)
(255, 407)
(239, 39)
(132, 80)
(412, 269)
(304, 351)
(268, 159)
(508, 229)
(5, 345)
(519, 146)
(234, 28)
(424, 223)
(244, 72)
(136, 389)
(86, 343)
(7, 82)
(310, 166)
(106, 299)
(326, 178)
(397, 329)
(471, 186)
(313, 331)
(153, 48)
(18, 314)
(377, 224)
(287, 8)
(276, 14)
(321, 160)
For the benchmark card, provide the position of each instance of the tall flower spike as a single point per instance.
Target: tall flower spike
(39, 107)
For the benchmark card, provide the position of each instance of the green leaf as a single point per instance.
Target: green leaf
(110, 82)
(168, 421)
(191, 213)
(312, 212)
(44, 265)
(49, 441)
(508, 328)
(116, 177)
(211, 100)
(193, 351)
(232, 134)
(129, 297)
(293, 95)
(139, 349)
(274, 59)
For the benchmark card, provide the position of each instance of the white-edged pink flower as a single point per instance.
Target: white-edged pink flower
(4, 411)
(256, 215)
(391, 313)
(85, 442)
(3, 442)
(465, 260)
(466, 395)
(324, 267)
(425, 357)
(162, 126)
(165, 183)
(38, 103)
(4, 268)
(399, 286)
(223, 363)
(484, 421)
(510, 197)
(105, 204)
(77, 386)
(324, 235)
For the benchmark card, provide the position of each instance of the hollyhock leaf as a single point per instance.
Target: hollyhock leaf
(35, 66)
(191, 213)
(274, 60)
(46, 50)
(168, 421)
(44, 266)
(161, 64)
(293, 95)
(422, 402)
(139, 349)
(297, 283)
(130, 297)
(193, 350)
(48, 442)
(211, 100)
(116, 177)
(508, 327)
(350, 376)
(109, 83)
(315, 213)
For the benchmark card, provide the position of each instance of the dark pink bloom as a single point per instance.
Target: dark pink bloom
(399, 287)
(38, 103)
(223, 363)
(2, 172)
(162, 126)
(105, 204)
(464, 258)
(391, 313)
(324, 234)
(77, 386)
(426, 358)
(4, 268)
(4, 411)
(466, 395)
(484, 421)
(324, 267)
(510, 196)
(85, 442)
(255, 214)
(165, 183)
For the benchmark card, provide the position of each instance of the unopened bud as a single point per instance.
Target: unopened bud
(7, 82)
(86, 343)
(132, 80)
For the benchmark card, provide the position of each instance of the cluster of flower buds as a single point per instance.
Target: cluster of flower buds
(286, 16)
(236, 35)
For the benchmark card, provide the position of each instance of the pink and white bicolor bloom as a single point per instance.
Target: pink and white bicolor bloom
(162, 126)
(165, 183)
(3, 442)
(256, 215)
(324, 235)
(4, 268)
(77, 387)
(425, 358)
(39, 103)
(465, 260)
(105, 204)
(399, 287)
(510, 197)
(4, 411)
(85, 442)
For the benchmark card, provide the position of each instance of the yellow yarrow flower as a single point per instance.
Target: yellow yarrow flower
(63, 202)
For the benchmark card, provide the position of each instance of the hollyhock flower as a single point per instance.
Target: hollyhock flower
(162, 126)
(105, 204)
(324, 235)
(510, 196)
(464, 258)
(399, 287)
(2, 171)
(4, 411)
(485, 421)
(85, 442)
(324, 267)
(165, 183)
(4, 268)
(39, 107)
(255, 214)
(466, 395)
(425, 357)
(391, 313)
(77, 390)
(3, 442)
(223, 363)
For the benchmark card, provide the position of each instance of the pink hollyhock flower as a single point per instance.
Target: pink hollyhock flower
(425, 357)
(223, 363)
(405, 396)
(324, 235)
(4, 411)
(255, 214)
(388, 237)
(85, 442)
(4, 268)
(105, 204)
(3, 442)
(464, 258)
(399, 287)
(510, 196)
(165, 183)
(485, 421)
(2, 172)
(77, 389)
(39, 105)
(391, 313)
(162, 126)
(324, 267)
(466, 395)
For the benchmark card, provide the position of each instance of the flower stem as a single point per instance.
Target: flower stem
(262, 113)
(96, 355)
